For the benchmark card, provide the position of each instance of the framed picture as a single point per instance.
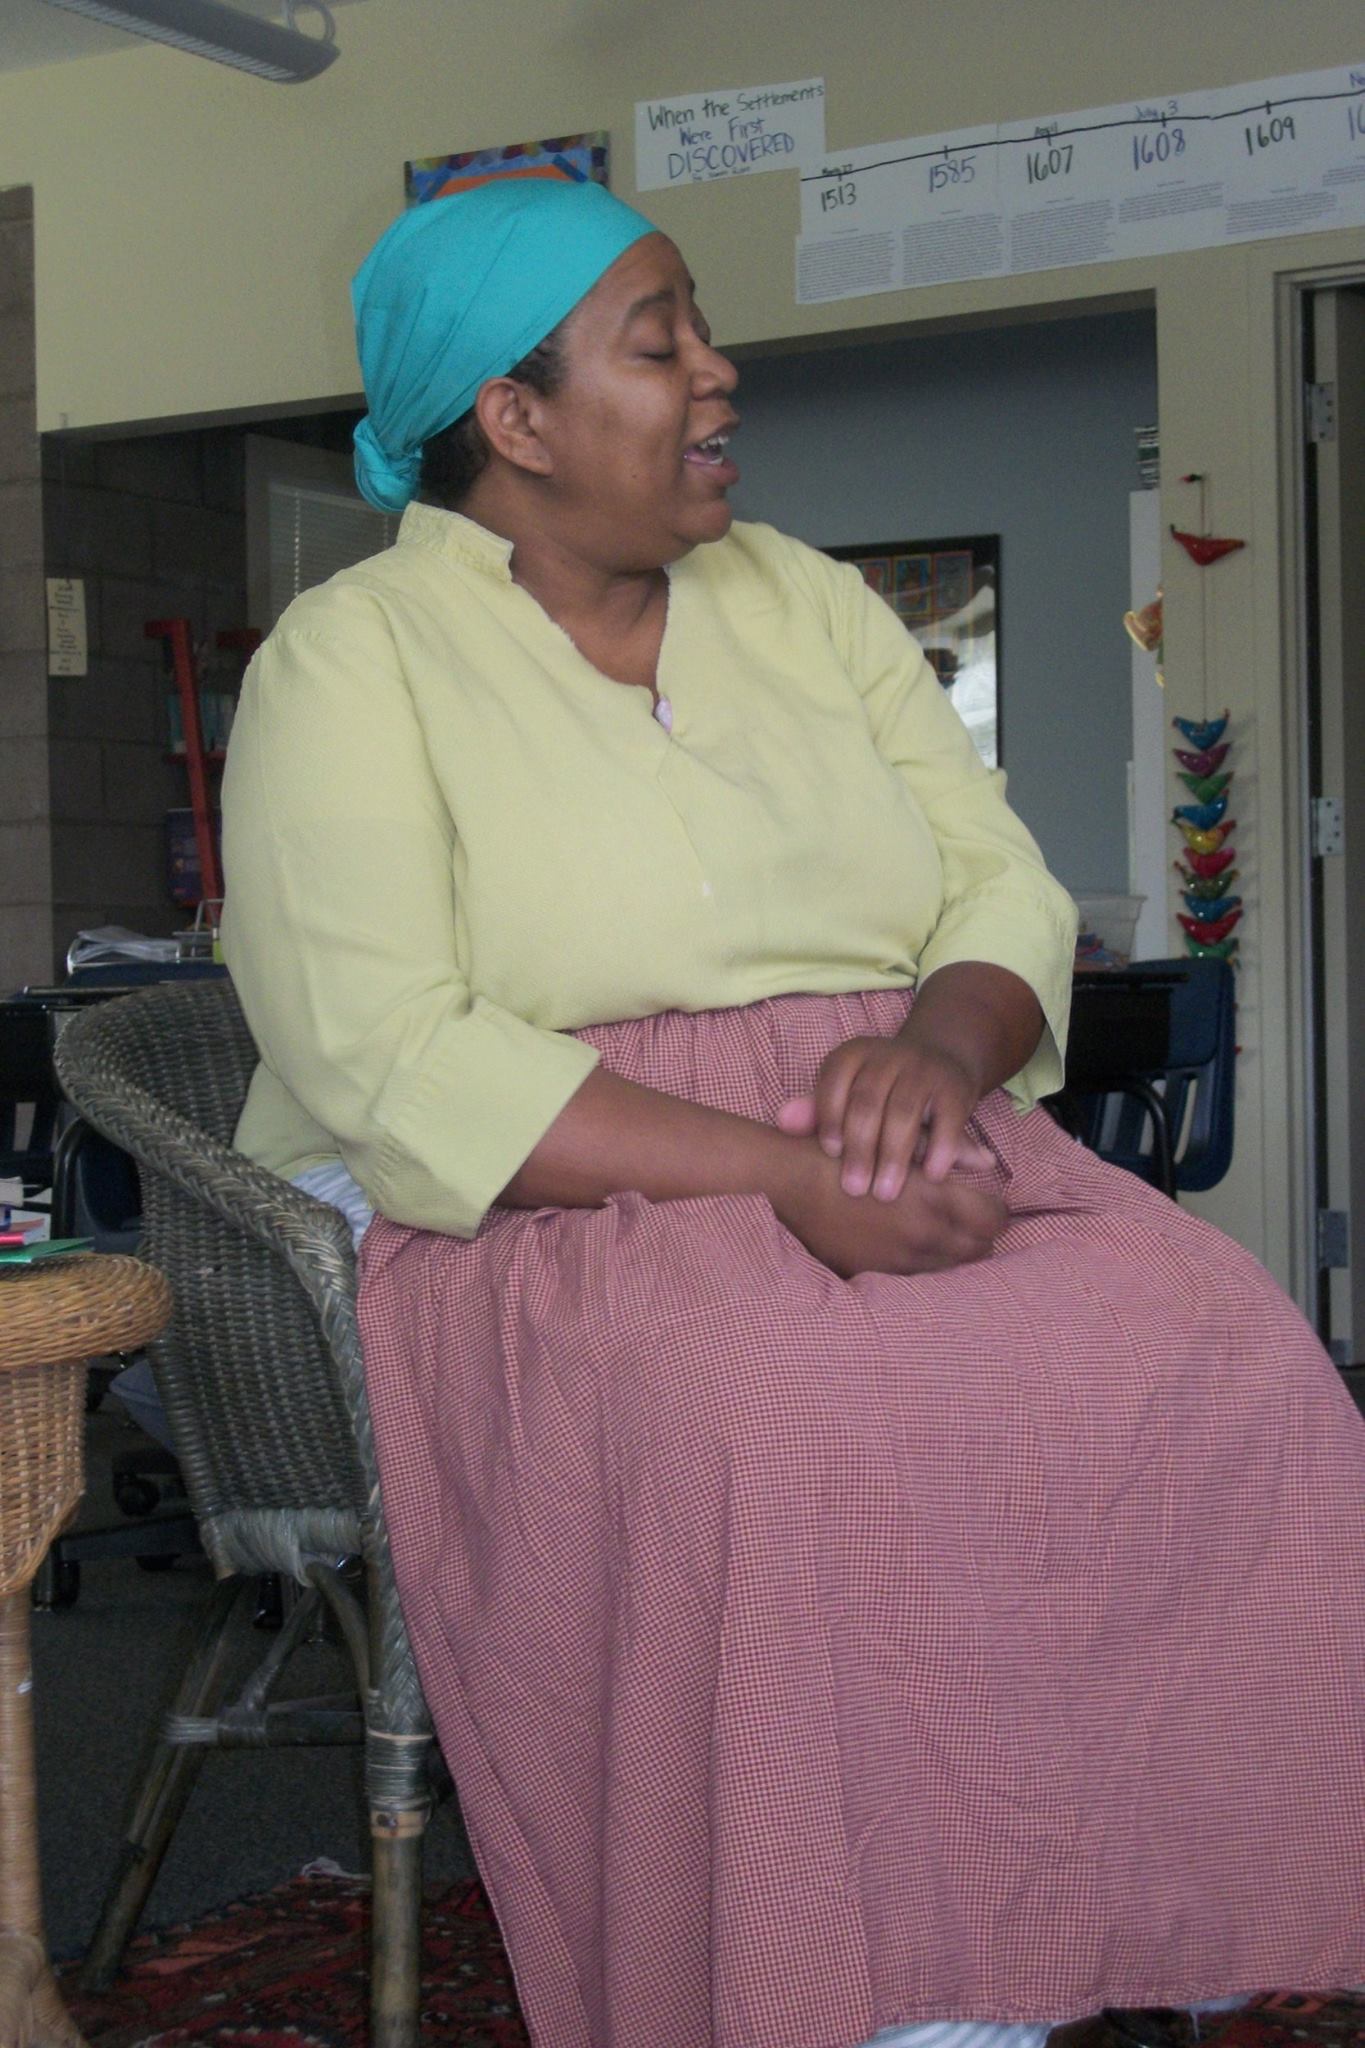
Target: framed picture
(576, 158)
(947, 593)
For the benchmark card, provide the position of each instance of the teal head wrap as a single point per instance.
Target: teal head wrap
(457, 291)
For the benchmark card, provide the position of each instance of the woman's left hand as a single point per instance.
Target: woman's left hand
(883, 1105)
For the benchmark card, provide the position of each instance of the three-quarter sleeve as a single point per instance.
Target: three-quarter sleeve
(341, 929)
(1000, 904)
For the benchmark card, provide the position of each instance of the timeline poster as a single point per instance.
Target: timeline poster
(1295, 150)
(922, 211)
(1147, 177)
(1141, 178)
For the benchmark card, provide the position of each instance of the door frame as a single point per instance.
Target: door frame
(1293, 291)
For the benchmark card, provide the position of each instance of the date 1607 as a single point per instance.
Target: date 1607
(1055, 162)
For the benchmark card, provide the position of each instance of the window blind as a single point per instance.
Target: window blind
(314, 532)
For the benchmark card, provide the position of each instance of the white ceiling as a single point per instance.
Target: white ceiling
(33, 34)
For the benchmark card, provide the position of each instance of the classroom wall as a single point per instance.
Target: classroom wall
(202, 223)
(1026, 434)
(156, 529)
(193, 227)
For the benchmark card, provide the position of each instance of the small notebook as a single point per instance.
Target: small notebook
(47, 1248)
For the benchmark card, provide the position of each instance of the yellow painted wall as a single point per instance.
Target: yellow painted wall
(195, 228)
(195, 225)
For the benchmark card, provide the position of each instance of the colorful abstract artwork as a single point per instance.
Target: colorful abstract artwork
(577, 158)
(947, 593)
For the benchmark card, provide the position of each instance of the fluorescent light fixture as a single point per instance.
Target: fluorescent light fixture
(206, 28)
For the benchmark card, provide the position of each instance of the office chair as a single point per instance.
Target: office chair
(261, 1375)
(28, 1090)
(1151, 1070)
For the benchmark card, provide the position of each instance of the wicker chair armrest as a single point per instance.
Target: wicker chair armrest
(313, 1239)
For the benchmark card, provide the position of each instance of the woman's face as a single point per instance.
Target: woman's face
(636, 431)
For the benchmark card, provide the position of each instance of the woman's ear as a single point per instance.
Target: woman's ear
(508, 413)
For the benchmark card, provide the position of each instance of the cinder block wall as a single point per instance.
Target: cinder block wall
(156, 527)
(25, 864)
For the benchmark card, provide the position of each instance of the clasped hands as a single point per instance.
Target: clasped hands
(877, 1191)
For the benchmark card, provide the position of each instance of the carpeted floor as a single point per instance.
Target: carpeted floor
(287, 1969)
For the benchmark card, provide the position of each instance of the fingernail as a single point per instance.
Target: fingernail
(855, 1183)
(885, 1188)
(833, 1145)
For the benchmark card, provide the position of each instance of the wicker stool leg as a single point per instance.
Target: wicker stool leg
(31, 2010)
(161, 1801)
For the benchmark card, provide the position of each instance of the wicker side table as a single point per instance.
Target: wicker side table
(52, 1319)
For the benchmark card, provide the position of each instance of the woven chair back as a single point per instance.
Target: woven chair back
(263, 1276)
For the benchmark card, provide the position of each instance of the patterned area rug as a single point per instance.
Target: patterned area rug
(287, 1970)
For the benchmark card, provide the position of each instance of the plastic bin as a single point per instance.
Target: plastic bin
(1108, 922)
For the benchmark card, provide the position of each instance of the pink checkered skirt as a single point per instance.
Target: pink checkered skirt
(813, 1656)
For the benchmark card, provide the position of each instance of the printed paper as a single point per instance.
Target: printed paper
(1141, 178)
(66, 637)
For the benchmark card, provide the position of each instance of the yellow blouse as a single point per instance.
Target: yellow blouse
(450, 840)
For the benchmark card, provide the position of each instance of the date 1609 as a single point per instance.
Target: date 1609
(1265, 134)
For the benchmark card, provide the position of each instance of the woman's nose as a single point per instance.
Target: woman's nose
(715, 372)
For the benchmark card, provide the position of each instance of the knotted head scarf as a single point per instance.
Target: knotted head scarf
(457, 291)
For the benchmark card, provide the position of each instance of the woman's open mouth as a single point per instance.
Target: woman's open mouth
(710, 455)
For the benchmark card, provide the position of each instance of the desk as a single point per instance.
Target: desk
(52, 1318)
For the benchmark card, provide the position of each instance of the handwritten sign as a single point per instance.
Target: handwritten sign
(730, 133)
(66, 636)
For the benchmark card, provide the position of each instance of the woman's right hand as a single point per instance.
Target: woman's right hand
(930, 1226)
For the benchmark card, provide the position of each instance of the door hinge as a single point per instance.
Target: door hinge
(1334, 1239)
(1328, 827)
(1320, 412)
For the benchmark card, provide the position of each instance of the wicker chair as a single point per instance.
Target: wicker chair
(260, 1372)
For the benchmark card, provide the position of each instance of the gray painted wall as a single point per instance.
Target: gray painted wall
(1026, 432)
(25, 860)
(156, 527)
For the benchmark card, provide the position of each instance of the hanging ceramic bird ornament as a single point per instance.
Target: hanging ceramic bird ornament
(1207, 762)
(1202, 735)
(1206, 841)
(1202, 816)
(1210, 861)
(1207, 931)
(1204, 547)
(1208, 909)
(1205, 788)
(1219, 949)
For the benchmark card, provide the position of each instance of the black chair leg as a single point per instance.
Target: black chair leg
(165, 1789)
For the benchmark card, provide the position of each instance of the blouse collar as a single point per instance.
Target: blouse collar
(458, 539)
